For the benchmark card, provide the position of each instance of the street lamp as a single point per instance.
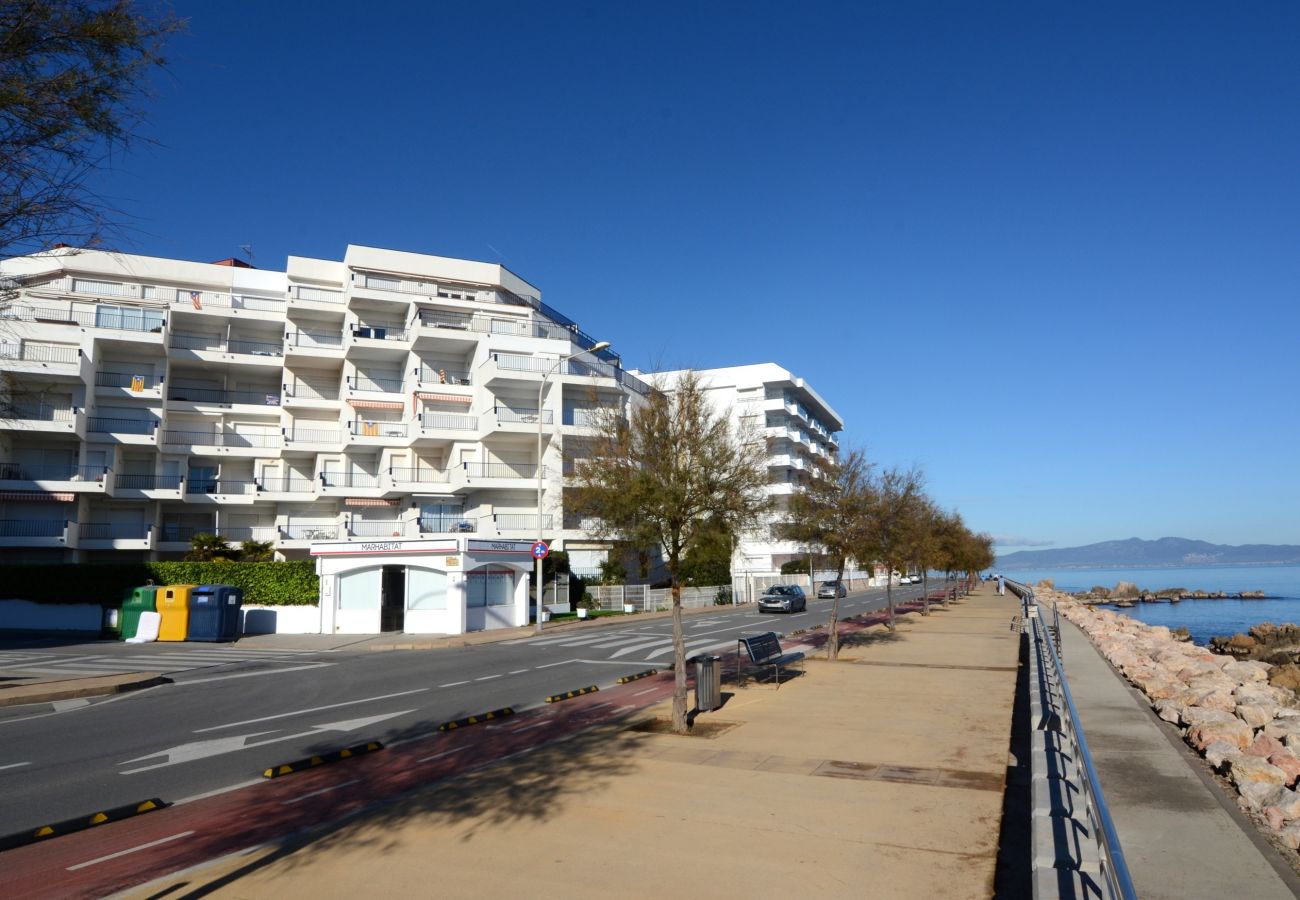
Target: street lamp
(541, 389)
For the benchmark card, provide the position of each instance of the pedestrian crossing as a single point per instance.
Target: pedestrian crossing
(637, 644)
(38, 664)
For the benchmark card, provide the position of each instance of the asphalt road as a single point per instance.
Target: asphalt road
(221, 722)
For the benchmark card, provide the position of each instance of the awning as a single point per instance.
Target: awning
(369, 501)
(445, 398)
(39, 496)
(375, 404)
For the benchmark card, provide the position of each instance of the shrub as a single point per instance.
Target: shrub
(265, 583)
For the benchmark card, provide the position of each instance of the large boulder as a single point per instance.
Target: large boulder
(1245, 670)
(1247, 769)
(1288, 763)
(1290, 835)
(1287, 676)
(1236, 732)
(1124, 589)
(1200, 715)
(1264, 746)
(1255, 715)
(1217, 698)
(1220, 753)
(1259, 795)
(1170, 710)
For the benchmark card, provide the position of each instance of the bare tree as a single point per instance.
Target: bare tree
(72, 81)
(888, 537)
(660, 475)
(832, 512)
(924, 540)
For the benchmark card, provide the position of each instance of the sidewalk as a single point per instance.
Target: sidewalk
(879, 775)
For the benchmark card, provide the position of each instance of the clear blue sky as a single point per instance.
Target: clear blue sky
(1046, 251)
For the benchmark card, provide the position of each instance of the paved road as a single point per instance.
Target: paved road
(224, 719)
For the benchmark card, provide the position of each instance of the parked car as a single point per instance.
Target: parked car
(832, 589)
(783, 598)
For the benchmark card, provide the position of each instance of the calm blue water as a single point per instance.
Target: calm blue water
(1202, 618)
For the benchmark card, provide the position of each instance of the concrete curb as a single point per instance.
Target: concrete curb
(79, 823)
(311, 762)
(569, 695)
(476, 720)
(50, 691)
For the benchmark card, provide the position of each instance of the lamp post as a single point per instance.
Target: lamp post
(541, 535)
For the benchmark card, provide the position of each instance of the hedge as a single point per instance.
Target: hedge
(292, 583)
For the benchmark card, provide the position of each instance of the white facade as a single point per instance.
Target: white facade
(388, 395)
(799, 428)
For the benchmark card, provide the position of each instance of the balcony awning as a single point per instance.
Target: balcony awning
(39, 496)
(445, 398)
(375, 404)
(369, 501)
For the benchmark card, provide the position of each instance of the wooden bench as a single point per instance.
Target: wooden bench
(765, 650)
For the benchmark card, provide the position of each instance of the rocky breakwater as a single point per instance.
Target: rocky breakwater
(1246, 727)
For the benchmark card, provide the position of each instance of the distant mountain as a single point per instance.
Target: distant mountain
(1139, 554)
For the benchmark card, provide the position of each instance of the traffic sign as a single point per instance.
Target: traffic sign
(540, 550)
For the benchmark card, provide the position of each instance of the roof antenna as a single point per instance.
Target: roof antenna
(248, 251)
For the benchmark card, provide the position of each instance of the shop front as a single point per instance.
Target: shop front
(438, 586)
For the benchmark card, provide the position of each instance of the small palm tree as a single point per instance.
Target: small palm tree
(256, 551)
(206, 547)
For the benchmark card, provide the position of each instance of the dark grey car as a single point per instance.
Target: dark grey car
(783, 598)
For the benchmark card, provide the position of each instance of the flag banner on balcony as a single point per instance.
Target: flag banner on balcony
(137, 383)
(375, 404)
(194, 298)
(38, 496)
(370, 501)
(444, 398)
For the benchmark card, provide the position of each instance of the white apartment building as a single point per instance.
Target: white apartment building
(390, 395)
(799, 428)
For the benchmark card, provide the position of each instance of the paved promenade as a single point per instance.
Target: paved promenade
(1179, 837)
(879, 775)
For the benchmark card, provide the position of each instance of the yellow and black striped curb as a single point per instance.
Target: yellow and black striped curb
(475, 720)
(628, 679)
(79, 823)
(311, 762)
(569, 695)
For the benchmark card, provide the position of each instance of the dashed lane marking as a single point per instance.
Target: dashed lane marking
(303, 797)
(453, 684)
(442, 754)
(120, 853)
(14, 765)
(313, 709)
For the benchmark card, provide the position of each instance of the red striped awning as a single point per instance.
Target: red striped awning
(445, 398)
(375, 404)
(369, 501)
(39, 496)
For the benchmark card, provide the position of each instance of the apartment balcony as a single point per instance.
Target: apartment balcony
(261, 533)
(451, 324)
(187, 399)
(313, 344)
(192, 305)
(362, 433)
(437, 426)
(430, 378)
(230, 491)
(513, 367)
(495, 475)
(134, 432)
(111, 536)
(300, 395)
(286, 489)
(517, 526)
(415, 480)
(297, 537)
(56, 479)
(44, 418)
(119, 385)
(377, 528)
(304, 439)
(147, 487)
(382, 389)
(515, 420)
(118, 323)
(352, 484)
(446, 525)
(177, 538)
(377, 341)
(38, 533)
(244, 351)
(226, 443)
(302, 296)
(782, 488)
(32, 358)
(787, 461)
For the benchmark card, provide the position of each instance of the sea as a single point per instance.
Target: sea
(1203, 618)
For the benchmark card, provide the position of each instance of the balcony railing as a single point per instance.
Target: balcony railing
(113, 318)
(301, 390)
(260, 533)
(32, 527)
(124, 380)
(201, 300)
(520, 522)
(486, 324)
(322, 340)
(409, 475)
(39, 411)
(379, 429)
(221, 439)
(54, 472)
(266, 397)
(220, 486)
(521, 415)
(433, 421)
(313, 435)
(108, 425)
(500, 470)
(511, 362)
(425, 375)
(381, 384)
(174, 533)
(149, 482)
(255, 348)
(288, 485)
(309, 532)
(44, 353)
(376, 528)
(101, 531)
(214, 344)
(446, 525)
(315, 294)
(349, 480)
(380, 332)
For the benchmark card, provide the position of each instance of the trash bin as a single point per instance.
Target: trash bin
(174, 606)
(111, 625)
(708, 683)
(214, 613)
(136, 601)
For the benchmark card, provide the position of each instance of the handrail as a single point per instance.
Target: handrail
(1113, 866)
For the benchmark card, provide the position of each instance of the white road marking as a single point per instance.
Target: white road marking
(14, 765)
(453, 684)
(98, 860)
(318, 793)
(517, 671)
(441, 755)
(186, 681)
(487, 677)
(65, 705)
(646, 691)
(560, 663)
(526, 727)
(693, 646)
(314, 709)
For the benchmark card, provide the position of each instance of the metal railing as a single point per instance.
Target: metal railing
(106, 531)
(413, 475)
(220, 486)
(309, 532)
(315, 294)
(313, 435)
(149, 482)
(488, 324)
(368, 383)
(520, 522)
(379, 332)
(174, 533)
(220, 439)
(521, 415)
(427, 375)
(349, 479)
(107, 425)
(377, 528)
(112, 318)
(52, 472)
(322, 340)
(448, 422)
(1092, 846)
(124, 380)
(255, 348)
(32, 410)
(32, 527)
(287, 484)
(378, 429)
(499, 470)
(513, 362)
(446, 525)
(45, 353)
(214, 344)
(259, 533)
(266, 397)
(301, 390)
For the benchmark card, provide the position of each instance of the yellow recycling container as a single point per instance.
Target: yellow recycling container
(174, 605)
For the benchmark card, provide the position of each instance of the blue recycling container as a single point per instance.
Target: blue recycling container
(214, 612)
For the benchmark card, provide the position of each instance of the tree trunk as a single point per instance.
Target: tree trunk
(833, 639)
(925, 592)
(679, 663)
(889, 598)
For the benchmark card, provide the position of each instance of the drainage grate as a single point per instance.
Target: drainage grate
(956, 778)
(903, 665)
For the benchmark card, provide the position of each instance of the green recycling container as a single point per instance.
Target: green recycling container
(136, 601)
